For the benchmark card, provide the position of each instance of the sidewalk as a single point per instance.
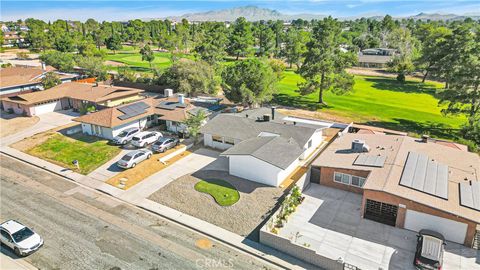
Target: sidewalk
(244, 244)
(9, 263)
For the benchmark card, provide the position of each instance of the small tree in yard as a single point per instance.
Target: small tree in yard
(147, 54)
(194, 123)
(50, 80)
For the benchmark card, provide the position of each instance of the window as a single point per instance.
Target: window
(309, 144)
(229, 141)
(348, 179)
(216, 138)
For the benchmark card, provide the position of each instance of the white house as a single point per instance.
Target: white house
(109, 122)
(260, 148)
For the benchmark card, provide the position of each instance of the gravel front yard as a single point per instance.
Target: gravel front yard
(243, 218)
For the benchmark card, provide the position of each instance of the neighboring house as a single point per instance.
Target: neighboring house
(72, 95)
(406, 182)
(14, 80)
(375, 58)
(169, 112)
(261, 147)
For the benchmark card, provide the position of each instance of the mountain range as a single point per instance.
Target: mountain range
(253, 13)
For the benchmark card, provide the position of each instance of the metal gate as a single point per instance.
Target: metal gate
(381, 212)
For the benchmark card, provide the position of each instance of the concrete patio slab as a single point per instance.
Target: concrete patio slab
(329, 222)
(47, 121)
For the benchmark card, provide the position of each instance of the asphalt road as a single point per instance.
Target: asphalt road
(84, 229)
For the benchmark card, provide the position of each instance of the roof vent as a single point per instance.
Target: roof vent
(181, 98)
(168, 92)
(425, 138)
(359, 146)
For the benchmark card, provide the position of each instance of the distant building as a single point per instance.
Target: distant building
(375, 57)
(25, 79)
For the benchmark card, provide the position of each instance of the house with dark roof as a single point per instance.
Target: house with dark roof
(407, 182)
(261, 147)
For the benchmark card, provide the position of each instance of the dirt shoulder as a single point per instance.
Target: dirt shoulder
(11, 124)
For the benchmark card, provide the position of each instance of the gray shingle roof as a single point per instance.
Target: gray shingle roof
(280, 150)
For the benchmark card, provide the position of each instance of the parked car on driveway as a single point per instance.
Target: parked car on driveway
(131, 159)
(430, 248)
(20, 238)
(145, 138)
(163, 144)
(126, 135)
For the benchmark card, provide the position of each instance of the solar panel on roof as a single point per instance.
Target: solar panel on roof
(370, 160)
(470, 194)
(132, 110)
(426, 175)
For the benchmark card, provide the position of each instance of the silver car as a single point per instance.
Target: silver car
(163, 144)
(131, 159)
(126, 135)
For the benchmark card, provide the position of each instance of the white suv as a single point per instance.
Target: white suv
(21, 239)
(145, 138)
(126, 135)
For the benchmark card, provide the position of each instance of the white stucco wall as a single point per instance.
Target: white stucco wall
(141, 123)
(254, 169)
(110, 133)
(316, 141)
(175, 126)
(208, 141)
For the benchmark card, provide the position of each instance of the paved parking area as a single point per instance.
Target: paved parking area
(329, 221)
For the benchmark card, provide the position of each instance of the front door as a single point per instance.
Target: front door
(381, 212)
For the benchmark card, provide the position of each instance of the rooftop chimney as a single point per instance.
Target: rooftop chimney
(181, 98)
(425, 138)
(359, 146)
(273, 113)
(44, 67)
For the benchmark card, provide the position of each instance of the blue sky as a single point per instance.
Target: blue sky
(128, 9)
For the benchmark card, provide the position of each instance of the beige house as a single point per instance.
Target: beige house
(70, 96)
(407, 182)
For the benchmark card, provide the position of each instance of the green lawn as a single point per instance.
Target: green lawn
(378, 101)
(223, 192)
(133, 59)
(91, 152)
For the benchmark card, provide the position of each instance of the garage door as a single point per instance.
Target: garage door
(452, 230)
(48, 107)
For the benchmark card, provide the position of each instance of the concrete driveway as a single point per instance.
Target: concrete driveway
(47, 121)
(200, 159)
(329, 221)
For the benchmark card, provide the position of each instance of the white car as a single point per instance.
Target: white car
(126, 135)
(20, 238)
(131, 159)
(145, 138)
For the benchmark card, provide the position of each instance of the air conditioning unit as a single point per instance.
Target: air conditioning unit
(168, 92)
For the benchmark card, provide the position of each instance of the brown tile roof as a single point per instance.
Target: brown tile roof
(461, 165)
(74, 90)
(19, 75)
(109, 117)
